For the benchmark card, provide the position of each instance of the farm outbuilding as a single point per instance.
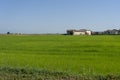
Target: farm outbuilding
(79, 32)
(114, 31)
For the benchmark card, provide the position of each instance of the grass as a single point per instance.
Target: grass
(86, 55)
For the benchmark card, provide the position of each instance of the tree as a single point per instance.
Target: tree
(8, 32)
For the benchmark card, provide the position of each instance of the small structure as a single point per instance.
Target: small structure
(113, 32)
(79, 32)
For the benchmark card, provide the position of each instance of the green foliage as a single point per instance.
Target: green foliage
(86, 55)
(7, 73)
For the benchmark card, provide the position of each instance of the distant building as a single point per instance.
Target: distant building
(88, 32)
(107, 32)
(114, 31)
(79, 32)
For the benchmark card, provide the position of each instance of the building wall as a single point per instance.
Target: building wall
(88, 32)
(78, 33)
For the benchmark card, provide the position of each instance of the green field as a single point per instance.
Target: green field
(73, 54)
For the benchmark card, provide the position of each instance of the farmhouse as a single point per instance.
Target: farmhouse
(79, 32)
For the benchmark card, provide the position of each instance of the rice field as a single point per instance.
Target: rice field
(97, 55)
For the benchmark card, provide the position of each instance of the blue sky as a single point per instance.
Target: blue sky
(56, 16)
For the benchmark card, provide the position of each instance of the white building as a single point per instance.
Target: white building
(79, 32)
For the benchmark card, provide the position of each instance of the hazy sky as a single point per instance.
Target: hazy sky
(56, 16)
